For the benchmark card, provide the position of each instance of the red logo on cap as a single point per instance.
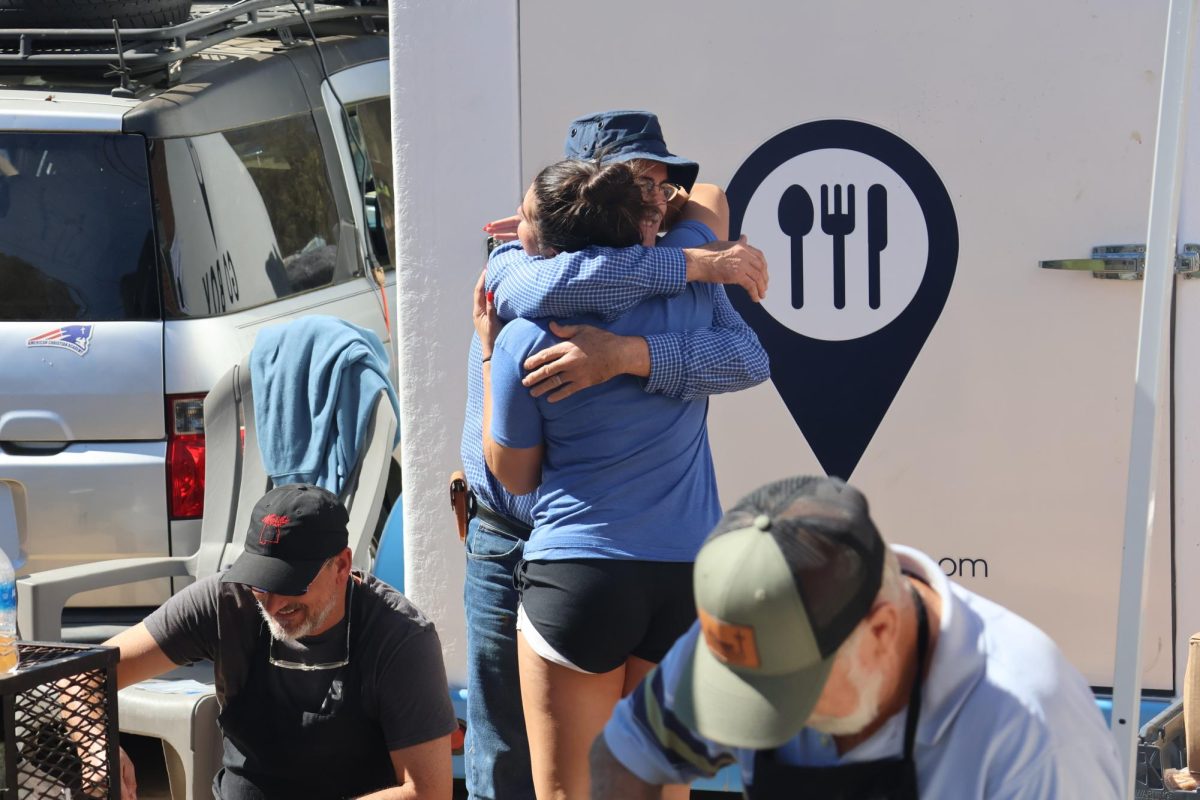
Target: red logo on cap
(276, 522)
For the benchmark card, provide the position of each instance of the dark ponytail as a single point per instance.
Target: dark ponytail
(583, 203)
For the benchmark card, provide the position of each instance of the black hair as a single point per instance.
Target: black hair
(583, 203)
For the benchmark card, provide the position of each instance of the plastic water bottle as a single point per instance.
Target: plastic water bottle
(9, 658)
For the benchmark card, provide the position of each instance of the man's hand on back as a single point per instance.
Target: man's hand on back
(730, 263)
(589, 356)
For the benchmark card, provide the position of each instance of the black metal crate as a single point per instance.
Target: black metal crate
(59, 725)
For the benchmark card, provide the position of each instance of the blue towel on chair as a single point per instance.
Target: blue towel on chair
(315, 383)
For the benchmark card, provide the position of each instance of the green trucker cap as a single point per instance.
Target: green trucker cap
(782, 582)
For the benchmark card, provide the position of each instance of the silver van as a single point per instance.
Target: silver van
(161, 200)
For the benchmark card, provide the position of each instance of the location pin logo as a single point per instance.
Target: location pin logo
(862, 241)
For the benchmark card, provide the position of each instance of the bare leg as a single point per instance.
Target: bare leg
(636, 669)
(565, 711)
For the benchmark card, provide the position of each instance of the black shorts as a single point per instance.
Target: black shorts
(590, 614)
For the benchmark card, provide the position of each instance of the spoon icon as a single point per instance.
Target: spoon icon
(796, 217)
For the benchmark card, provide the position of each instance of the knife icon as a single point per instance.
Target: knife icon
(876, 239)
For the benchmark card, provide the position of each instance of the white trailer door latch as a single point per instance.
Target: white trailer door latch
(1125, 262)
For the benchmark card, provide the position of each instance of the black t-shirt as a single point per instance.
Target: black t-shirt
(397, 654)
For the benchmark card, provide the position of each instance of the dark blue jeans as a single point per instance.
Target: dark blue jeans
(497, 748)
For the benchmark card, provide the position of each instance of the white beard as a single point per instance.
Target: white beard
(869, 689)
(312, 622)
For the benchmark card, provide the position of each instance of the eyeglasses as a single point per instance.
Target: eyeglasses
(670, 190)
(283, 663)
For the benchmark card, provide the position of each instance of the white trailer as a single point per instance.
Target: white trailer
(983, 404)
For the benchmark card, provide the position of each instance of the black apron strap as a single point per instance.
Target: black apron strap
(914, 698)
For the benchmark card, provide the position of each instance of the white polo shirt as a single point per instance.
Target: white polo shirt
(1003, 715)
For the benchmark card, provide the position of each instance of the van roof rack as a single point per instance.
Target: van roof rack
(142, 50)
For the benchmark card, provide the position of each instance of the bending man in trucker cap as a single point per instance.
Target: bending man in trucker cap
(828, 665)
(605, 282)
(330, 682)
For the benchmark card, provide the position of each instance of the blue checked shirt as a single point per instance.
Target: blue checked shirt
(607, 282)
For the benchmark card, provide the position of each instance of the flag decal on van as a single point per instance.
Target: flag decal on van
(75, 338)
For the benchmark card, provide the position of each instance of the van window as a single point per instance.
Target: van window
(76, 230)
(246, 217)
(371, 127)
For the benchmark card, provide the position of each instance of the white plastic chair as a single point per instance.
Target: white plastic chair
(234, 481)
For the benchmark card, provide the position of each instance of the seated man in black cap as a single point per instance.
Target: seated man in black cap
(828, 665)
(331, 683)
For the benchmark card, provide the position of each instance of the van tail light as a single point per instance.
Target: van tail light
(185, 456)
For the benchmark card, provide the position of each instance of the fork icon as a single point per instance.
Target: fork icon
(839, 224)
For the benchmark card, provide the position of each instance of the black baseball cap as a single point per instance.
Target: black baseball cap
(780, 584)
(294, 529)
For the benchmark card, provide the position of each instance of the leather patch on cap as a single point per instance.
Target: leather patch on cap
(731, 644)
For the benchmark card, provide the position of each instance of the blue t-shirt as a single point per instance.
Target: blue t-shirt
(625, 474)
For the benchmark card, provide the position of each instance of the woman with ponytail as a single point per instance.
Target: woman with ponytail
(625, 486)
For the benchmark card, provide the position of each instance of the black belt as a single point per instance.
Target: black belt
(499, 521)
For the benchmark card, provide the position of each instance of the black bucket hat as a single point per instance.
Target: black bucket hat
(625, 136)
